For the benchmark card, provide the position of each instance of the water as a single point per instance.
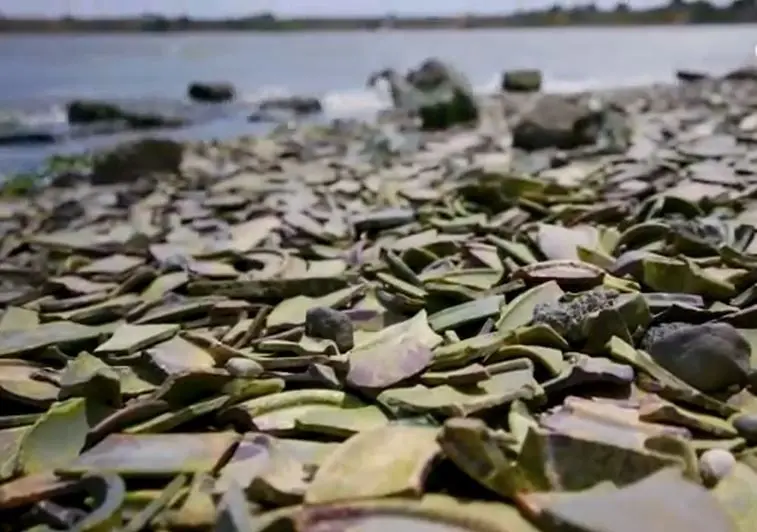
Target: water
(42, 72)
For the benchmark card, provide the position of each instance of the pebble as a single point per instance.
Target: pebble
(714, 465)
(329, 324)
(243, 367)
(746, 425)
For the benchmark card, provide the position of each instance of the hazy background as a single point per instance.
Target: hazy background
(42, 73)
(220, 8)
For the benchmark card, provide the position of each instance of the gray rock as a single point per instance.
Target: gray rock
(691, 76)
(557, 122)
(243, 367)
(745, 73)
(522, 81)
(132, 160)
(330, 324)
(24, 137)
(746, 425)
(211, 92)
(437, 93)
(175, 262)
(94, 112)
(447, 97)
(429, 74)
(714, 465)
(659, 332)
(711, 357)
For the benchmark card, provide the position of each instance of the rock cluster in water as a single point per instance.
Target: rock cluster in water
(348, 326)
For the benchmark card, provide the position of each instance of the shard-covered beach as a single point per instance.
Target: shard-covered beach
(520, 313)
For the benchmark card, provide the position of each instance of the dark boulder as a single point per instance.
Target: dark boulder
(745, 73)
(211, 92)
(25, 138)
(446, 97)
(298, 105)
(522, 81)
(133, 160)
(436, 93)
(429, 74)
(459, 109)
(92, 112)
(566, 123)
(746, 425)
(556, 122)
(712, 357)
(691, 76)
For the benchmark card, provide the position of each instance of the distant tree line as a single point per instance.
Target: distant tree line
(675, 12)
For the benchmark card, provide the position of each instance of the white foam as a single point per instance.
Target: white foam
(272, 91)
(562, 86)
(48, 116)
(347, 103)
(565, 86)
(344, 104)
(55, 114)
(356, 102)
(490, 86)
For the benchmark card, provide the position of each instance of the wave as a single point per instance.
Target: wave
(359, 103)
(346, 103)
(42, 116)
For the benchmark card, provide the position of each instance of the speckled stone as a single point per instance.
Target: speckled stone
(330, 324)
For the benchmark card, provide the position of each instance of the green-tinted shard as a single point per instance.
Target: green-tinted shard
(170, 420)
(56, 333)
(149, 455)
(550, 359)
(19, 319)
(661, 502)
(553, 461)
(278, 413)
(10, 445)
(88, 376)
(737, 495)
(340, 422)
(660, 411)
(18, 385)
(291, 312)
(448, 401)
(388, 461)
(56, 439)
(197, 510)
(671, 275)
(265, 470)
(130, 338)
(484, 455)
(520, 310)
(178, 355)
(472, 311)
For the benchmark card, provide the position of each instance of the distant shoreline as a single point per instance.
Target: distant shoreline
(341, 29)
(677, 13)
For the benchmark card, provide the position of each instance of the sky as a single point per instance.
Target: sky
(221, 8)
